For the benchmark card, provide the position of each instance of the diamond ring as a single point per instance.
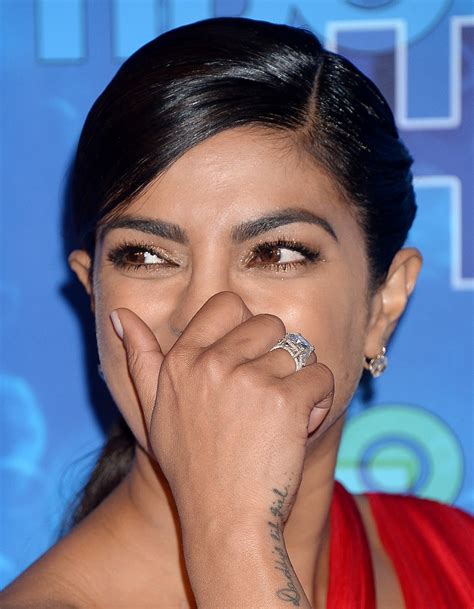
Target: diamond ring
(297, 346)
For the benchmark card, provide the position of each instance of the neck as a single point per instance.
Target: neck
(149, 519)
(307, 531)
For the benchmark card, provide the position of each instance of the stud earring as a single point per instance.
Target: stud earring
(376, 365)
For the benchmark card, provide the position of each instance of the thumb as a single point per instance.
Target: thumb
(144, 356)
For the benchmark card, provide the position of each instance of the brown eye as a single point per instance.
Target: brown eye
(282, 255)
(278, 255)
(143, 257)
(131, 256)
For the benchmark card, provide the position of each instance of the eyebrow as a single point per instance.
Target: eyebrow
(252, 228)
(160, 228)
(239, 233)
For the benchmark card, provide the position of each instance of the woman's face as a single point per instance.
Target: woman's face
(316, 281)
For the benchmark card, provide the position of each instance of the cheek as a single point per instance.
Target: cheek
(333, 318)
(114, 363)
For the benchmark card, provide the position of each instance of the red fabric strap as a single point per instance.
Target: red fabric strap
(429, 543)
(431, 546)
(351, 580)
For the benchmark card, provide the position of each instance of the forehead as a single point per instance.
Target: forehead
(239, 174)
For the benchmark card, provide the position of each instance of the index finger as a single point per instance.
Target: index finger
(217, 316)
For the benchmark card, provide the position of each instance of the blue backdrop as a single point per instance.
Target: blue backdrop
(57, 55)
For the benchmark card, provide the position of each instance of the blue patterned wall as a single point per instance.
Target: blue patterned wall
(57, 55)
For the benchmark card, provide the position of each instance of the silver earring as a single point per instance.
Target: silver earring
(101, 372)
(376, 365)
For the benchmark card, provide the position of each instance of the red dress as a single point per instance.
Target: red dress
(431, 546)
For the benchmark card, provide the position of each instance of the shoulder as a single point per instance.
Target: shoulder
(58, 579)
(42, 585)
(86, 569)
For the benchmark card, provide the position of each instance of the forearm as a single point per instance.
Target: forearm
(236, 564)
(254, 572)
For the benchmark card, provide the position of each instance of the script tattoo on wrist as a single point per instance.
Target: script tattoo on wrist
(290, 592)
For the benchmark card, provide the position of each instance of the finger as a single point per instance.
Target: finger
(251, 339)
(144, 356)
(312, 391)
(280, 363)
(217, 316)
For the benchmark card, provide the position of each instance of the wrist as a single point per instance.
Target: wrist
(232, 534)
(242, 565)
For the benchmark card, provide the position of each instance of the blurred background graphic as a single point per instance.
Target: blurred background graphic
(410, 430)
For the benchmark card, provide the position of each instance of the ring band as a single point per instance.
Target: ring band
(297, 346)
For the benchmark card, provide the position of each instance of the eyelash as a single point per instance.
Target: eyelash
(117, 255)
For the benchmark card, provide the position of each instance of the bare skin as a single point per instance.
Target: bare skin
(233, 427)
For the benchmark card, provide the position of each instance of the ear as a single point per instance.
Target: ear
(80, 262)
(391, 299)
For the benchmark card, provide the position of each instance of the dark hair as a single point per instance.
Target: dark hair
(200, 79)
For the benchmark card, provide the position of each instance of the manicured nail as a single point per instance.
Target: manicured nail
(117, 323)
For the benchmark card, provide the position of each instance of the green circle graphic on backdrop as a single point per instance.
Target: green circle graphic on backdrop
(397, 448)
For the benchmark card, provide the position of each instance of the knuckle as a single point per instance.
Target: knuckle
(136, 366)
(178, 351)
(279, 395)
(174, 362)
(272, 322)
(133, 358)
(247, 378)
(212, 363)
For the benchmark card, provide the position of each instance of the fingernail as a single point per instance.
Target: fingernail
(316, 417)
(114, 316)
